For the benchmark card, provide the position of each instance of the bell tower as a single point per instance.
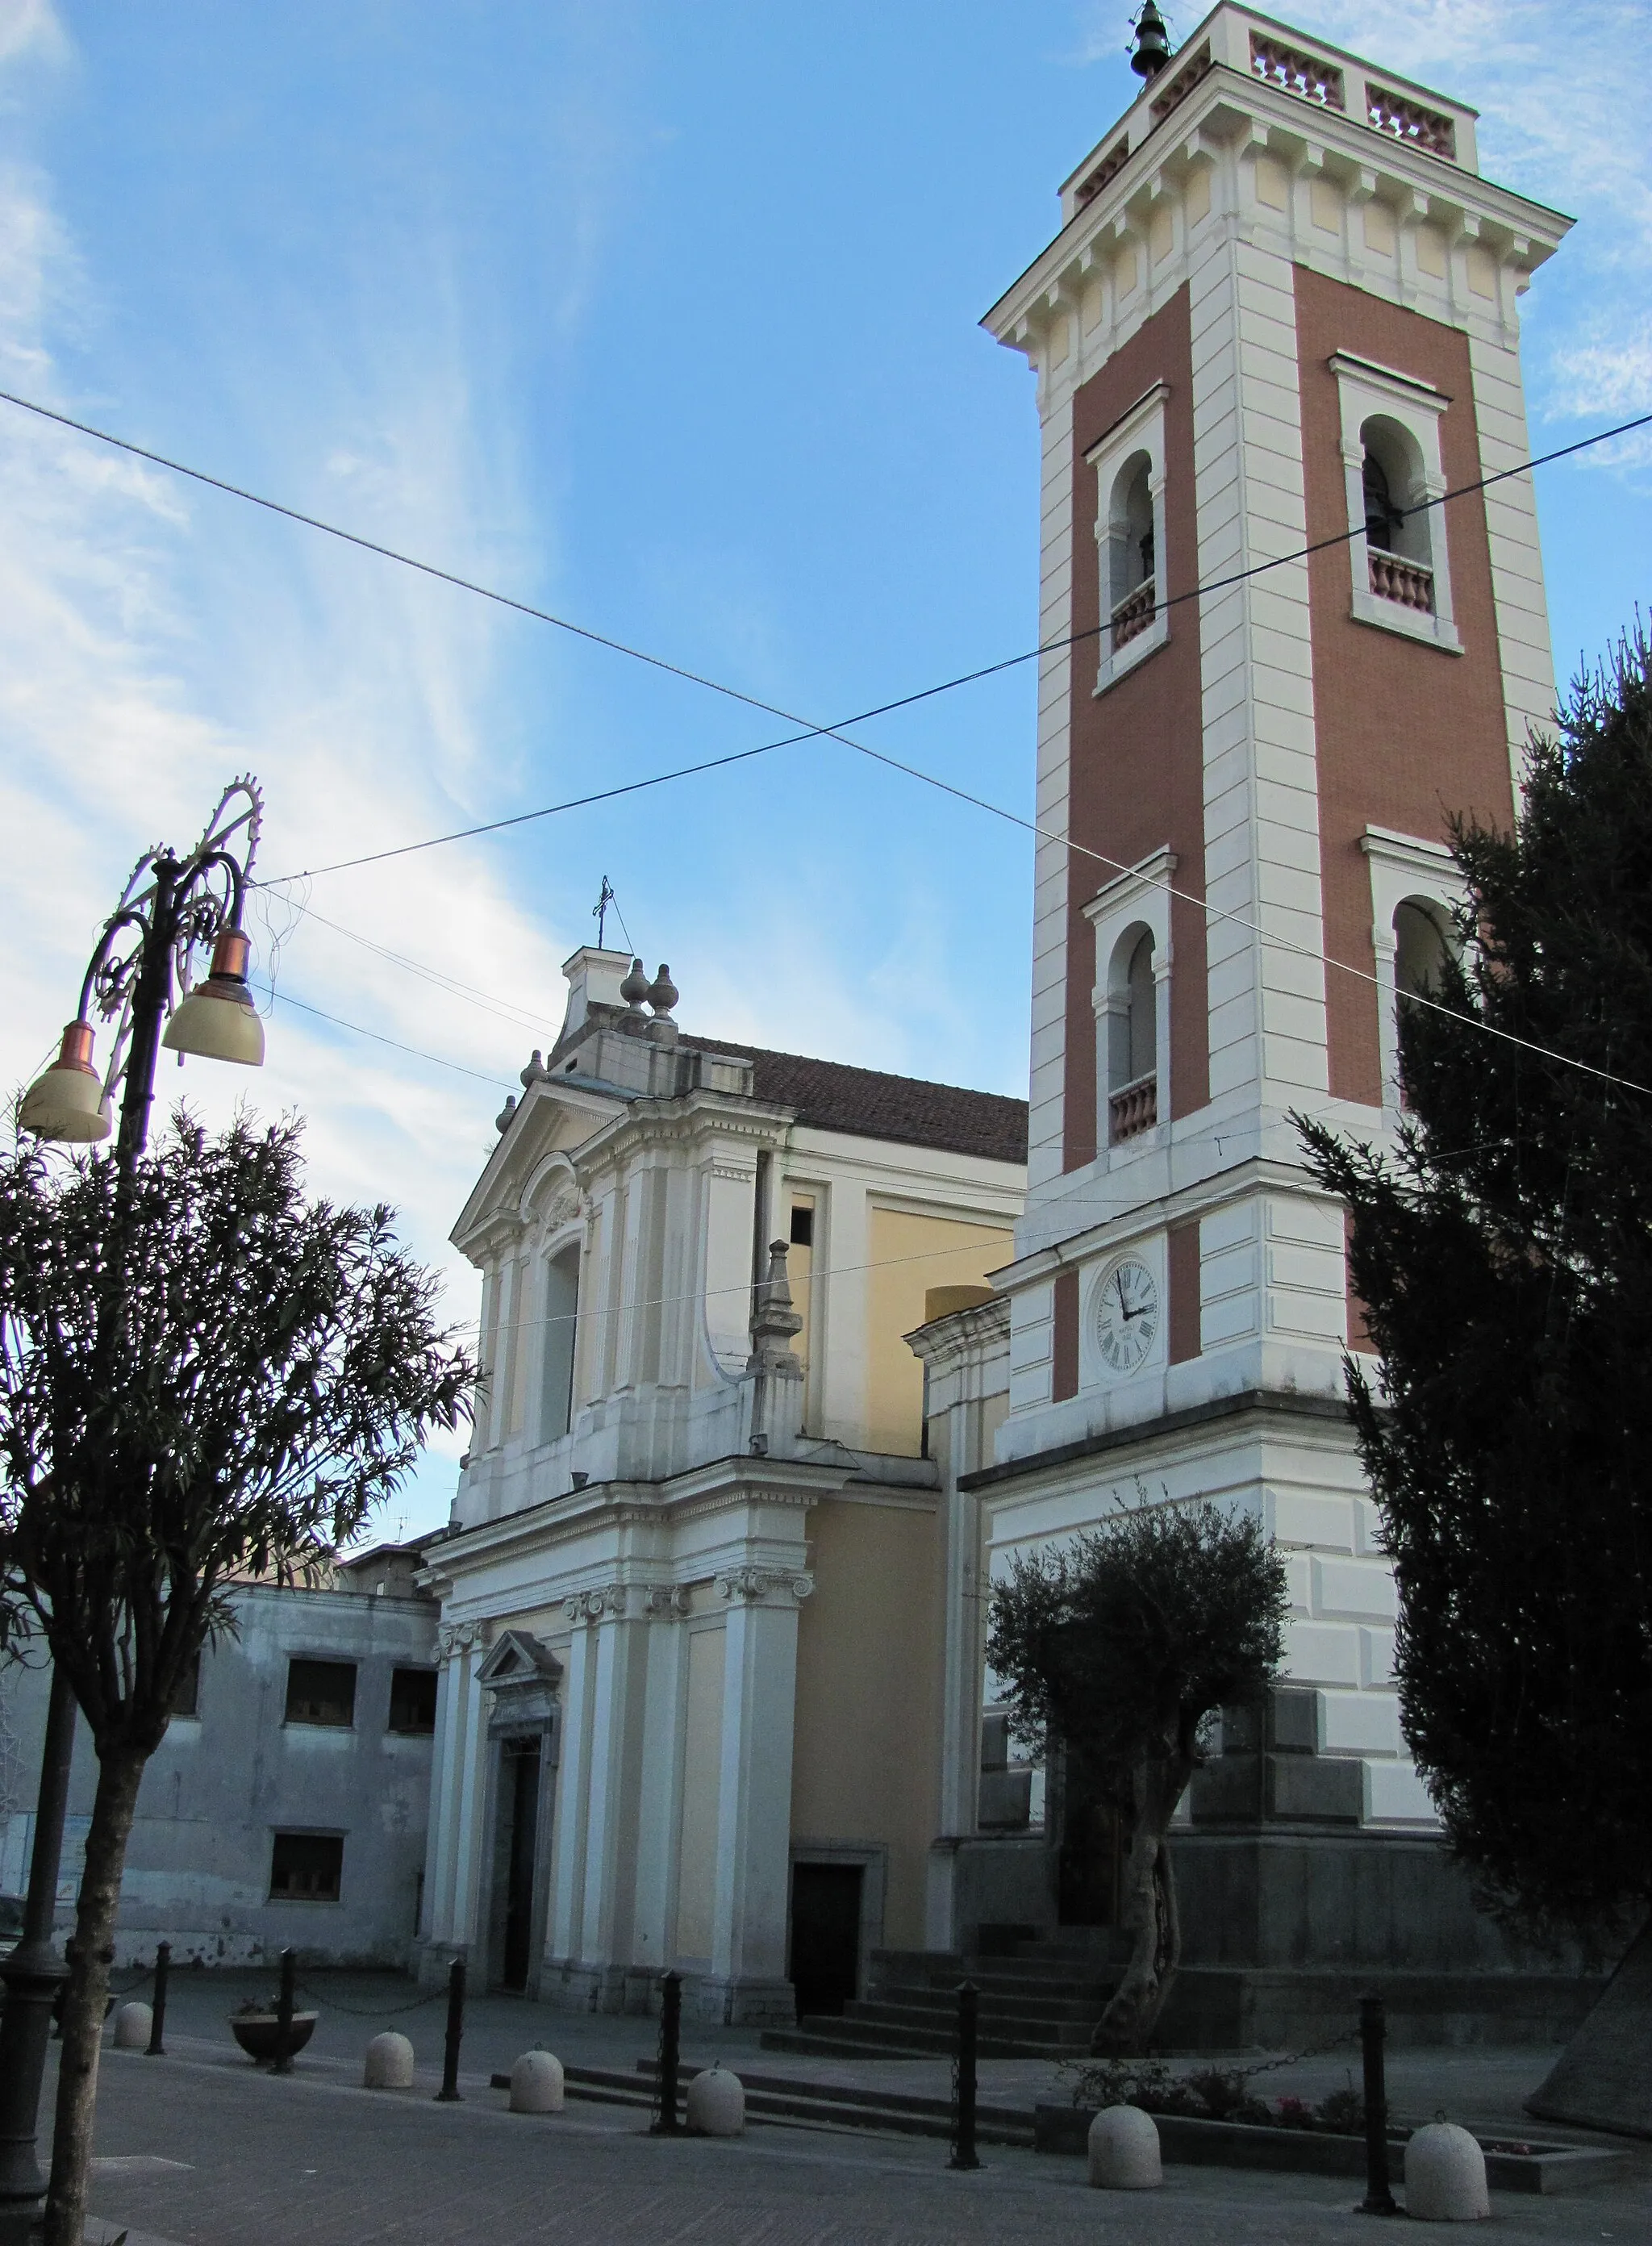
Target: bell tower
(1277, 329)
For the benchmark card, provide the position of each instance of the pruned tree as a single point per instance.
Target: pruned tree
(204, 1374)
(1115, 1649)
(1503, 1252)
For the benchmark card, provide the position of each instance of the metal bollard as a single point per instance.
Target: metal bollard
(1378, 2198)
(449, 2093)
(963, 2080)
(284, 2016)
(666, 2123)
(158, 2024)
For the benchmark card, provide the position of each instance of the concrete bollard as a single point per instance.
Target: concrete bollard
(1124, 2150)
(716, 2104)
(536, 2084)
(132, 2025)
(1445, 2175)
(389, 2064)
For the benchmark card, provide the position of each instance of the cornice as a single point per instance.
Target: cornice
(722, 1485)
(1229, 105)
(1284, 1404)
(1141, 1219)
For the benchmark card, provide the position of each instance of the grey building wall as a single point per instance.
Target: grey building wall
(226, 1780)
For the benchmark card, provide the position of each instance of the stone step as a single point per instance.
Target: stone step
(857, 2106)
(846, 2039)
(996, 2004)
(999, 1981)
(940, 2027)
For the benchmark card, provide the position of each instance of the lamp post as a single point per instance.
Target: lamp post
(171, 908)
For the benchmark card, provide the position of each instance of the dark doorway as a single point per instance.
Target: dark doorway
(825, 1935)
(520, 1794)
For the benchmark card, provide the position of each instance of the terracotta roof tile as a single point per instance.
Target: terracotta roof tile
(831, 1096)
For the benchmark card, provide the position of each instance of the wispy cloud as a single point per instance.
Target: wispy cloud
(135, 680)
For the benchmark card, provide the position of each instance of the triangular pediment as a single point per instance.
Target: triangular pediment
(518, 1658)
(552, 1118)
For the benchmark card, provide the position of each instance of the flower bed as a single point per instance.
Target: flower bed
(1212, 2118)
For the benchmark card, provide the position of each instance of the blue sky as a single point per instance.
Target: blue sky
(665, 318)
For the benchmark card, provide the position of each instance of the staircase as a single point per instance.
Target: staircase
(1041, 1995)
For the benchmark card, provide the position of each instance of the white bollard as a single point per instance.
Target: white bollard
(132, 2024)
(1124, 2150)
(536, 2084)
(390, 2063)
(1445, 2175)
(716, 2104)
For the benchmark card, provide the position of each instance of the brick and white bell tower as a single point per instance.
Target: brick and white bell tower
(1281, 308)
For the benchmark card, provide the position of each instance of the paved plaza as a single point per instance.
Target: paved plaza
(201, 2149)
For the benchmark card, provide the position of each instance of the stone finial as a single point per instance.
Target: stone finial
(636, 987)
(663, 993)
(502, 1120)
(774, 1368)
(534, 1070)
(773, 1320)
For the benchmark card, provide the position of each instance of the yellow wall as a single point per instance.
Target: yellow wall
(909, 1255)
(867, 1743)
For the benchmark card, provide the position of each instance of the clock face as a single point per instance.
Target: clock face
(1126, 1314)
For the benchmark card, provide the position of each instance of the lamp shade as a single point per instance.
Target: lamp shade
(67, 1101)
(218, 1019)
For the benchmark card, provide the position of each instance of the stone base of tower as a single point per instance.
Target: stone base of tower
(1291, 1910)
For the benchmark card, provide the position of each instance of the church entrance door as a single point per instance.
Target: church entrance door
(519, 1800)
(825, 1935)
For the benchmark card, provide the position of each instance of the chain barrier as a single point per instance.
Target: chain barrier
(371, 2011)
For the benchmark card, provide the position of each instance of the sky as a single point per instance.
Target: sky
(664, 318)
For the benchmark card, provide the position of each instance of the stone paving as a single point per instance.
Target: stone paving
(200, 2149)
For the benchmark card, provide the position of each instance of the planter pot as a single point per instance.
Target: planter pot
(259, 2033)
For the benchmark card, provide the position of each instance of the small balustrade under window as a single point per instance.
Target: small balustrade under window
(1133, 615)
(1133, 1109)
(1395, 579)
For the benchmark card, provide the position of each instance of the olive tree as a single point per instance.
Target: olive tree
(1115, 1649)
(204, 1376)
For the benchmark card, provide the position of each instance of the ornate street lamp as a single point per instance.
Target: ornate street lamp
(170, 911)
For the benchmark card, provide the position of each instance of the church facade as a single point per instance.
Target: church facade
(691, 1608)
(786, 1361)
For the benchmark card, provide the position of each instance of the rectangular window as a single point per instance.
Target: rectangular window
(186, 1694)
(321, 1692)
(306, 1866)
(802, 1224)
(412, 1700)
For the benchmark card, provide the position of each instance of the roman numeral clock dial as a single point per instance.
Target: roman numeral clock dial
(1126, 1314)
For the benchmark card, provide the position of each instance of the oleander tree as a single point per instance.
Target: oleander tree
(204, 1375)
(1503, 1252)
(1114, 1649)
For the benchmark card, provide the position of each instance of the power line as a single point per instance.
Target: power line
(835, 732)
(284, 999)
(719, 686)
